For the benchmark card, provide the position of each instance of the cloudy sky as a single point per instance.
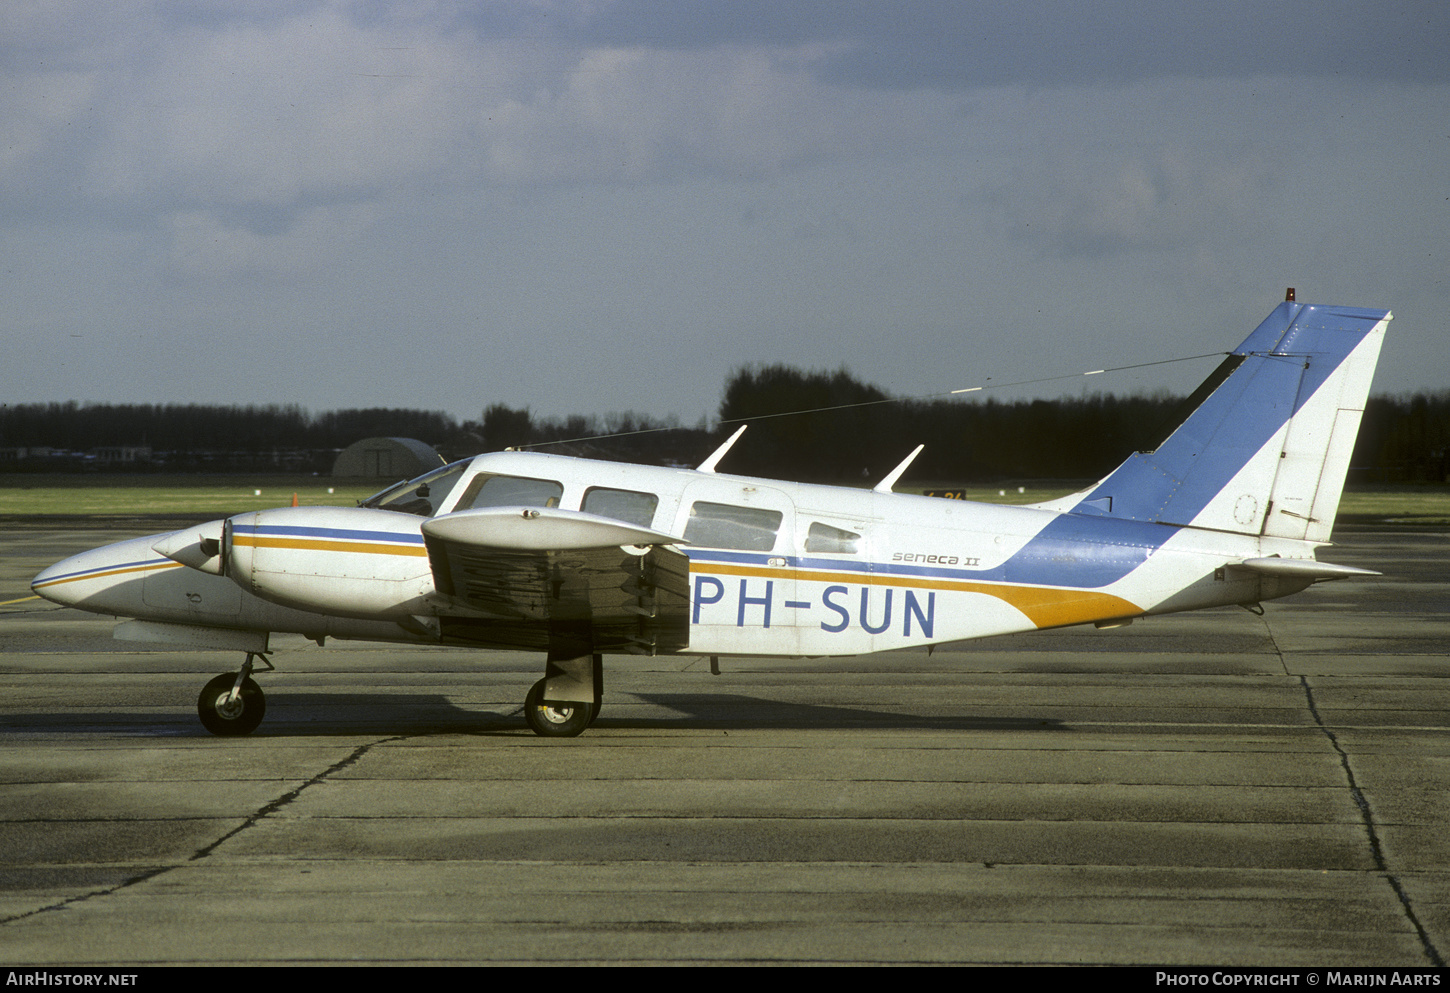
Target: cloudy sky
(600, 206)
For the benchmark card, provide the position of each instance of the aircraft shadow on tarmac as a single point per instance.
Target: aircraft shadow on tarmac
(325, 714)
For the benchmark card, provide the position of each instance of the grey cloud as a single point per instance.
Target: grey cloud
(696, 179)
(986, 42)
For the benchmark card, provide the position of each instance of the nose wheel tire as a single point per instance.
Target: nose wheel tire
(555, 720)
(223, 715)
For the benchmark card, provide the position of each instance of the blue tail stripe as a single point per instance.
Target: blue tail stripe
(1295, 342)
(1084, 552)
(1144, 502)
(1217, 440)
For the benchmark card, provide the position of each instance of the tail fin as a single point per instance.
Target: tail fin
(1266, 447)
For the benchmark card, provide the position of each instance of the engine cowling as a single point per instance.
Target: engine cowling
(345, 561)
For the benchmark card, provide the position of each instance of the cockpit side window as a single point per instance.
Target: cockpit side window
(719, 525)
(510, 491)
(621, 505)
(422, 496)
(826, 539)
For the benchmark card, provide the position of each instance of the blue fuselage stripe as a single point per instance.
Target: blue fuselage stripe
(352, 534)
(1072, 551)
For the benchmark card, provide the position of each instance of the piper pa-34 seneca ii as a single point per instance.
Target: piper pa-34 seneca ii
(577, 558)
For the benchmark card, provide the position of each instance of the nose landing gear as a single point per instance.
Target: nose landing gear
(232, 704)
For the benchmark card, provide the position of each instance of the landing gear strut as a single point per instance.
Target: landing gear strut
(232, 703)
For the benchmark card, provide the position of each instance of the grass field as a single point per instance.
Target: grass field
(1427, 503)
(1421, 503)
(222, 496)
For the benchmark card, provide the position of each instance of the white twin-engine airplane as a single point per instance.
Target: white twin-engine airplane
(579, 558)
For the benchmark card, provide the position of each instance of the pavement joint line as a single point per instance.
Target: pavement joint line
(82, 897)
(1367, 816)
(290, 795)
(1360, 801)
(1365, 813)
(263, 812)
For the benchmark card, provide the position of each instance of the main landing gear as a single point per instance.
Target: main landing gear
(232, 703)
(574, 685)
(556, 720)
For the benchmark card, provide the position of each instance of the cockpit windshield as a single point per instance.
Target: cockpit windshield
(422, 496)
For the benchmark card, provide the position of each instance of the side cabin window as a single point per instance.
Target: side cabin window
(510, 491)
(719, 525)
(826, 539)
(621, 505)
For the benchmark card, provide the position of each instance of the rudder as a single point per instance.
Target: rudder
(1266, 446)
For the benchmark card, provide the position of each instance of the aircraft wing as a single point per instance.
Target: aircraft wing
(561, 581)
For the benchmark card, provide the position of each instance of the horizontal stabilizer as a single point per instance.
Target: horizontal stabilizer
(1304, 569)
(539, 529)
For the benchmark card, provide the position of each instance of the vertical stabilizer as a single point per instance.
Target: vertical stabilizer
(1266, 447)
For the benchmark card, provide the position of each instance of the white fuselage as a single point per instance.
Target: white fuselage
(774, 568)
(577, 559)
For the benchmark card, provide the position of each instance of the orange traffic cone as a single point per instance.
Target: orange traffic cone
(294, 499)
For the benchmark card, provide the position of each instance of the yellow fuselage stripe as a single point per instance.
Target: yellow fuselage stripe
(108, 573)
(1045, 606)
(322, 545)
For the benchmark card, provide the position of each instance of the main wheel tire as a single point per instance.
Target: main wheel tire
(553, 720)
(220, 715)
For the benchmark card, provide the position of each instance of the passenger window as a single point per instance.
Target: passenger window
(718, 525)
(510, 491)
(621, 505)
(824, 538)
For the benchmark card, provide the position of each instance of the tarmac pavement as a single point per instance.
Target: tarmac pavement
(1214, 788)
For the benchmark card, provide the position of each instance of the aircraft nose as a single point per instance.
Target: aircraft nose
(59, 583)
(104, 580)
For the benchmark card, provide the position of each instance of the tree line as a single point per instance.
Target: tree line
(186, 427)
(807, 426)
(858, 434)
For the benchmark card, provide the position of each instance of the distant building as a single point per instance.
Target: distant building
(31, 452)
(122, 454)
(386, 458)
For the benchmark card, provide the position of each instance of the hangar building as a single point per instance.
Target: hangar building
(386, 459)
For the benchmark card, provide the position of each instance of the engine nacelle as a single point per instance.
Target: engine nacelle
(345, 561)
